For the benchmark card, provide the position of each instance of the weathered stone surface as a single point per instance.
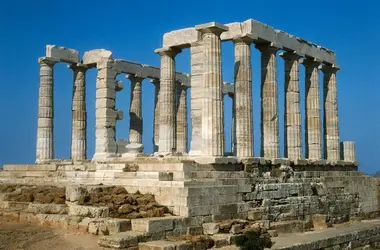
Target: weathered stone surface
(48, 208)
(210, 228)
(62, 54)
(86, 211)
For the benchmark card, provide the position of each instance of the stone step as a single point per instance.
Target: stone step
(121, 240)
(161, 176)
(316, 174)
(292, 226)
(165, 245)
(166, 167)
(153, 225)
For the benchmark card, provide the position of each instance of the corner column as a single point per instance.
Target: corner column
(243, 97)
(330, 114)
(156, 125)
(167, 144)
(135, 116)
(212, 109)
(79, 114)
(312, 111)
(270, 147)
(292, 118)
(45, 137)
(106, 115)
(181, 120)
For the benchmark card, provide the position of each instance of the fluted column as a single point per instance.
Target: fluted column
(212, 109)
(292, 117)
(233, 125)
(330, 114)
(45, 137)
(167, 144)
(243, 97)
(312, 111)
(135, 116)
(181, 120)
(347, 151)
(156, 125)
(196, 97)
(270, 147)
(79, 114)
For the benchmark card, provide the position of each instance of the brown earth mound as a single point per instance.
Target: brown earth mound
(37, 194)
(121, 204)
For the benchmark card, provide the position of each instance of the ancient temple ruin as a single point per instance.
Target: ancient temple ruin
(204, 183)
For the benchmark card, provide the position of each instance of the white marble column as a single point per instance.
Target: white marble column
(243, 97)
(313, 140)
(330, 114)
(196, 95)
(233, 125)
(347, 151)
(79, 113)
(45, 137)
(181, 119)
(292, 117)
(167, 144)
(212, 109)
(270, 147)
(156, 124)
(135, 116)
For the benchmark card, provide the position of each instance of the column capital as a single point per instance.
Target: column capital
(246, 39)
(79, 66)
(290, 55)
(171, 51)
(310, 62)
(134, 78)
(155, 81)
(212, 27)
(268, 47)
(47, 60)
(329, 68)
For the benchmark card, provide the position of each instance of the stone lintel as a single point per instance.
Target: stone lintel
(92, 57)
(211, 27)
(183, 38)
(62, 54)
(146, 71)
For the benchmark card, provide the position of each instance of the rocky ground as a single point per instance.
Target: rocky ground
(24, 236)
(121, 204)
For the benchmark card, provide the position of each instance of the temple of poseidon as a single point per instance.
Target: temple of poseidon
(203, 186)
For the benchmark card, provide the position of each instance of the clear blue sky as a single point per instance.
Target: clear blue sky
(133, 29)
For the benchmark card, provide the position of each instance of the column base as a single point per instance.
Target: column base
(103, 156)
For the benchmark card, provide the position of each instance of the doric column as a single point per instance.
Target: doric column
(212, 109)
(270, 147)
(233, 125)
(330, 114)
(347, 151)
(243, 97)
(156, 125)
(312, 111)
(79, 114)
(292, 117)
(45, 138)
(135, 116)
(181, 120)
(167, 144)
(196, 95)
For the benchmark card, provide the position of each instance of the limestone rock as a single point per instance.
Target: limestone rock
(210, 228)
